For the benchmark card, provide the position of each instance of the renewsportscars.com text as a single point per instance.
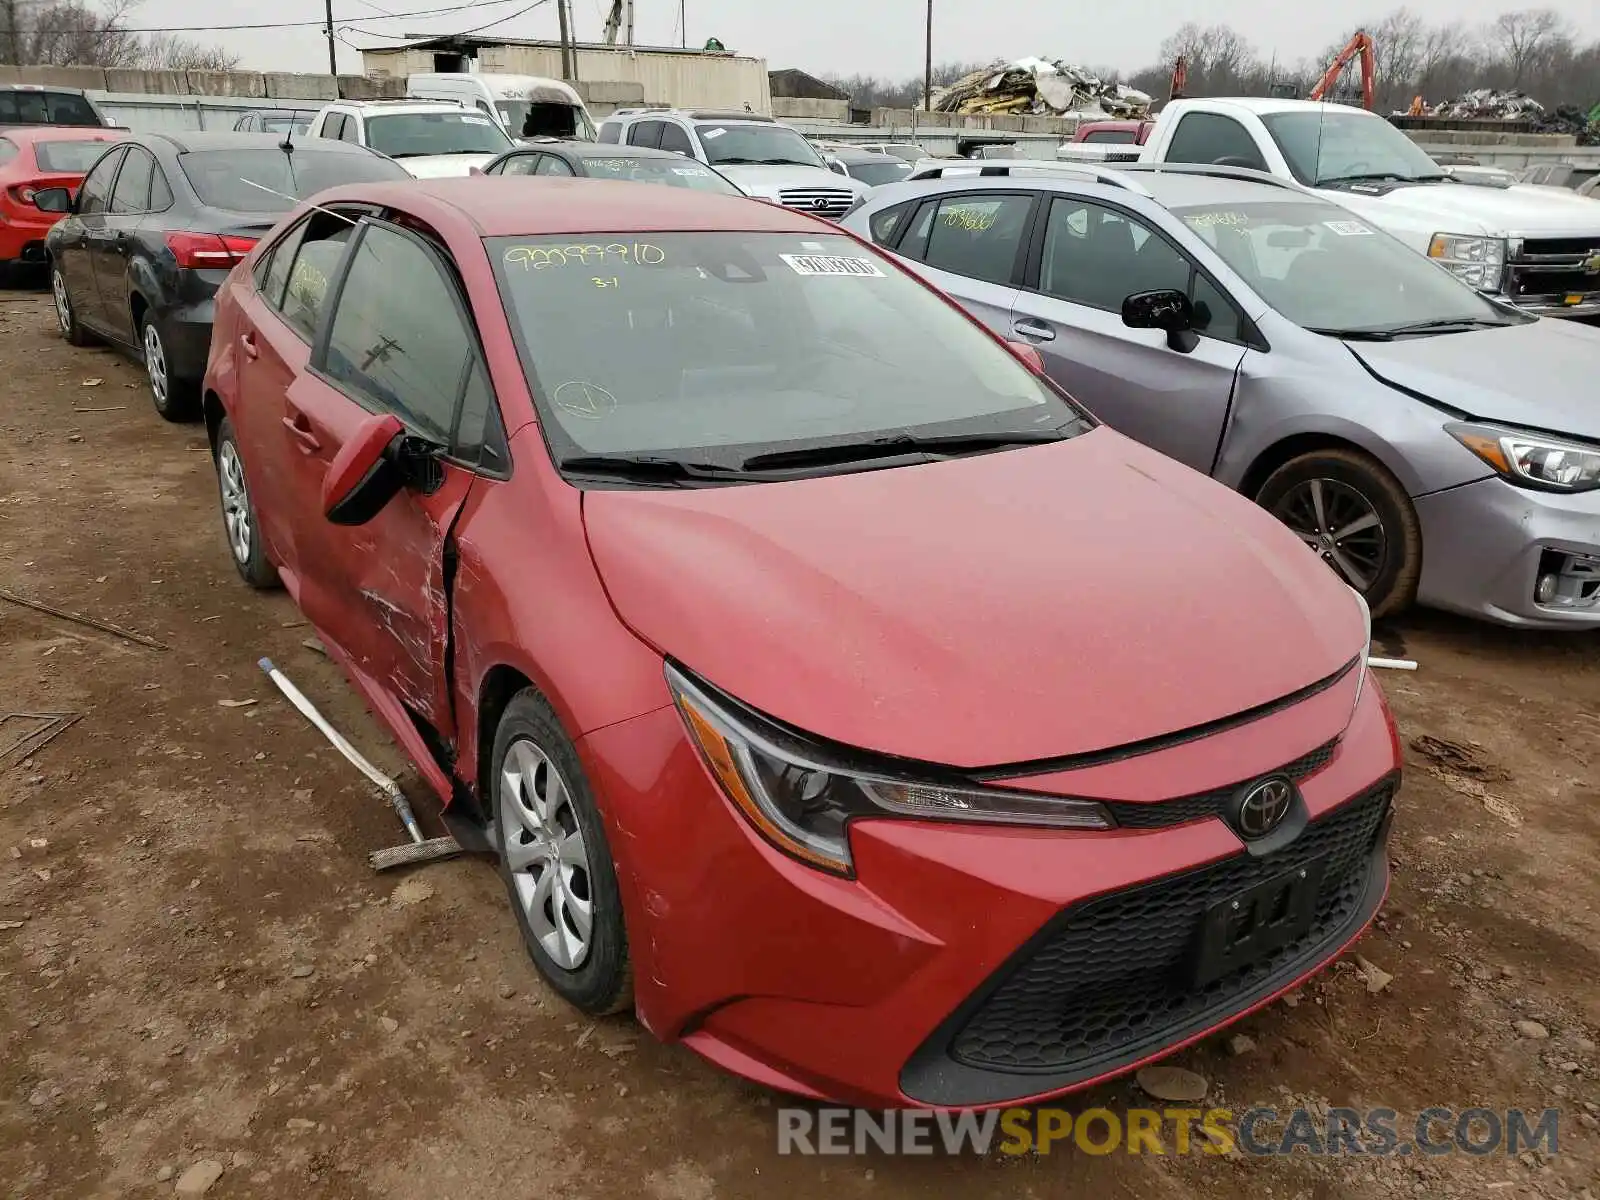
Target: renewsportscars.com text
(1259, 1132)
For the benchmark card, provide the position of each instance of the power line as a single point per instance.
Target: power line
(425, 12)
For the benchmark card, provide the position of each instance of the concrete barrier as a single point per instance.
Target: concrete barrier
(280, 85)
(87, 78)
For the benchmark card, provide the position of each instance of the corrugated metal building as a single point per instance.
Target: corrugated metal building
(671, 77)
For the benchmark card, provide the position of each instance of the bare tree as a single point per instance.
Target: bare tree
(74, 33)
(169, 52)
(1521, 37)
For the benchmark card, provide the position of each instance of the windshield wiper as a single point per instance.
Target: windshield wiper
(897, 446)
(1377, 176)
(1355, 335)
(638, 468)
(1446, 325)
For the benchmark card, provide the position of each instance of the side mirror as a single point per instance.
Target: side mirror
(53, 200)
(370, 469)
(1028, 356)
(1167, 310)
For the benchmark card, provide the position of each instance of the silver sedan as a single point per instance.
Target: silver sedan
(1430, 444)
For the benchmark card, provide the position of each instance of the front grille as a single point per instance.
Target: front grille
(832, 203)
(1109, 981)
(1162, 813)
(1554, 267)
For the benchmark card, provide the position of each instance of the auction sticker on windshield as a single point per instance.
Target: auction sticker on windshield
(830, 264)
(1348, 228)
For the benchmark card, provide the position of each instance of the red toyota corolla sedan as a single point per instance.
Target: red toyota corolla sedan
(832, 690)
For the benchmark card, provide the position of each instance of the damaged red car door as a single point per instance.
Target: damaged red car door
(397, 342)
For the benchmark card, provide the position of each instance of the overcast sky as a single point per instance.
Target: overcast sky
(831, 36)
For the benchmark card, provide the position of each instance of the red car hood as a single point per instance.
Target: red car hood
(998, 608)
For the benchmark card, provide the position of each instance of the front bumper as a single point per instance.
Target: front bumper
(1486, 545)
(966, 965)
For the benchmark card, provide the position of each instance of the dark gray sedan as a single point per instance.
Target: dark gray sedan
(1428, 443)
(158, 223)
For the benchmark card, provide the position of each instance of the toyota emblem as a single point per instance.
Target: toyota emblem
(1264, 807)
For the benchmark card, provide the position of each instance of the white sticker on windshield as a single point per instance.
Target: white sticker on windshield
(1348, 228)
(712, 133)
(831, 264)
(470, 119)
(690, 171)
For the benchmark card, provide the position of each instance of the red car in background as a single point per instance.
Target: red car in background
(832, 689)
(33, 158)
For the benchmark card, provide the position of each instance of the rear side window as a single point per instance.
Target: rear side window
(1110, 137)
(610, 132)
(95, 193)
(397, 337)
(521, 164)
(132, 193)
(549, 164)
(8, 151)
(977, 236)
(316, 261)
(675, 139)
(333, 127)
(1213, 138)
(278, 261)
(887, 224)
(645, 133)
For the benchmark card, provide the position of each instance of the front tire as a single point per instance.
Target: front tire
(175, 399)
(239, 514)
(1349, 510)
(555, 860)
(66, 315)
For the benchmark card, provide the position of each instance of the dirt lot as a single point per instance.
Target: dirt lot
(197, 964)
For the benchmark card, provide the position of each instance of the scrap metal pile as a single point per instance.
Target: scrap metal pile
(1489, 104)
(1039, 87)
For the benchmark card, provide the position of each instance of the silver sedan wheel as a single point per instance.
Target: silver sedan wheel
(155, 362)
(58, 286)
(235, 503)
(1340, 525)
(542, 841)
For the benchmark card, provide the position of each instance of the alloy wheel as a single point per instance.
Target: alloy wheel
(155, 363)
(1340, 525)
(58, 286)
(235, 503)
(543, 845)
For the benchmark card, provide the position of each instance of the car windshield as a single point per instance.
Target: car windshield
(285, 124)
(412, 135)
(696, 346)
(1326, 269)
(875, 173)
(548, 120)
(269, 180)
(674, 172)
(1328, 147)
(756, 144)
(69, 158)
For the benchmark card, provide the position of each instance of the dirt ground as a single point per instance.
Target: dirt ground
(196, 962)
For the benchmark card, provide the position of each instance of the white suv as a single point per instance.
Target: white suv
(768, 160)
(429, 138)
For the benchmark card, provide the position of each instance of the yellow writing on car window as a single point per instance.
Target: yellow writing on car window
(971, 217)
(307, 284)
(593, 254)
(1209, 220)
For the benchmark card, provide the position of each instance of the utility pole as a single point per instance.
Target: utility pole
(13, 31)
(927, 64)
(568, 54)
(683, 25)
(333, 57)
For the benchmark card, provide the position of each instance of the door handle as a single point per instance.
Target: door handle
(247, 342)
(297, 424)
(1036, 330)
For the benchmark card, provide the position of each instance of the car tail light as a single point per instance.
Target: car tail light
(25, 192)
(199, 251)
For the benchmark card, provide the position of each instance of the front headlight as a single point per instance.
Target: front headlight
(801, 799)
(1479, 261)
(1533, 460)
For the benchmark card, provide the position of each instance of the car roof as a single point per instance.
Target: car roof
(1176, 189)
(856, 154)
(411, 104)
(184, 141)
(505, 207)
(1264, 105)
(41, 87)
(575, 149)
(1167, 188)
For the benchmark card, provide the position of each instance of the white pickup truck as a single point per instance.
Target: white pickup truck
(1540, 252)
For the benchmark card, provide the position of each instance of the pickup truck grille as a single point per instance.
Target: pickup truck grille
(832, 203)
(1546, 271)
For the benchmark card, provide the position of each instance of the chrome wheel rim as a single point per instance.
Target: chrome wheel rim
(543, 844)
(58, 286)
(1340, 525)
(155, 362)
(235, 503)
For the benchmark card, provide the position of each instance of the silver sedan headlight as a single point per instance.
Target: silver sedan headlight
(1533, 460)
